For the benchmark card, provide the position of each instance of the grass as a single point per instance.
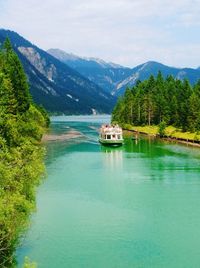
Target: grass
(170, 132)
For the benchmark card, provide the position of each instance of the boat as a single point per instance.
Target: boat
(111, 135)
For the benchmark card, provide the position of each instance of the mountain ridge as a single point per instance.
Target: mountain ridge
(104, 74)
(64, 56)
(72, 84)
(116, 80)
(56, 86)
(143, 72)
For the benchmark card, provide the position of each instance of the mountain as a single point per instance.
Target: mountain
(55, 85)
(104, 74)
(143, 72)
(115, 78)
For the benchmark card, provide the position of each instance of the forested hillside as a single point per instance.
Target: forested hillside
(144, 71)
(21, 157)
(56, 86)
(157, 100)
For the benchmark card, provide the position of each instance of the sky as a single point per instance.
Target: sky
(127, 32)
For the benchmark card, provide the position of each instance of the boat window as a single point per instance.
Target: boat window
(108, 137)
(119, 137)
(114, 137)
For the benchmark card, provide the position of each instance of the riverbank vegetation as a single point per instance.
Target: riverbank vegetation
(168, 107)
(22, 125)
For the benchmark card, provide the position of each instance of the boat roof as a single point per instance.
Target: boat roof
(112, 129)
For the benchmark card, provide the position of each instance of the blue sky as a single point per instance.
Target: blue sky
(128, 32)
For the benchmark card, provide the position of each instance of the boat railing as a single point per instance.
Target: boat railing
(116, 130)
(111, 132)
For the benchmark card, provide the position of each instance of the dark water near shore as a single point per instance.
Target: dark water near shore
(133, 206)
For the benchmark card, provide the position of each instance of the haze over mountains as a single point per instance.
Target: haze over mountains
(70, 84)
(116, 78)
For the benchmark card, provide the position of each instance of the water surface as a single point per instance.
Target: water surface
(134, 206)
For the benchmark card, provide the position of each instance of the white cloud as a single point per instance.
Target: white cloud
(128, 32)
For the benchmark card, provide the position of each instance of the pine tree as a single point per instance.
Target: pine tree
(8, 102)
(184, 94)
(117, 114)
(128, 109)
(14, 71)
(148, 100)
(194, 111)
(161, 101)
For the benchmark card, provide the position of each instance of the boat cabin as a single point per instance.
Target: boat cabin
(111, 134)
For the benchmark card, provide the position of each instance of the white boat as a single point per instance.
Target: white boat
(111, 135)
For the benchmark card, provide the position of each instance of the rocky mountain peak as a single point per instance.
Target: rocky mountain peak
(55, 85)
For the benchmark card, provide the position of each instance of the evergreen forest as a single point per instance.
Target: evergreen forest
(160, 101)
(22, 125)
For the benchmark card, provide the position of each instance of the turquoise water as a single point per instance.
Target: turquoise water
(134, 206)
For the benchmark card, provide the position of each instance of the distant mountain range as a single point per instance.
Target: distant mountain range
(143, 71)
(104, 74)
(115, 78)
(70, 84)
(56, 86)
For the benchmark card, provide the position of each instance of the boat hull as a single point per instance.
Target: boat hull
(111, 142)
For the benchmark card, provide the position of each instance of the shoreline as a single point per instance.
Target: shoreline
(62, 137)
(167, 138)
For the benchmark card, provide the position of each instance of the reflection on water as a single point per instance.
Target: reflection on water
(113, 157)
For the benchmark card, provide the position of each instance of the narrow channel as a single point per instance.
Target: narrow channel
(133, 206)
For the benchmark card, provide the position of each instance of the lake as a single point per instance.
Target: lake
(133, 206)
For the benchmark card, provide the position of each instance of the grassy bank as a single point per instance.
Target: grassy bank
(170, 133)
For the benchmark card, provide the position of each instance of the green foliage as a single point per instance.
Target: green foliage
(44, 113)
(8, 102)
(22, 125)
(161, 129)
(159, 100)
